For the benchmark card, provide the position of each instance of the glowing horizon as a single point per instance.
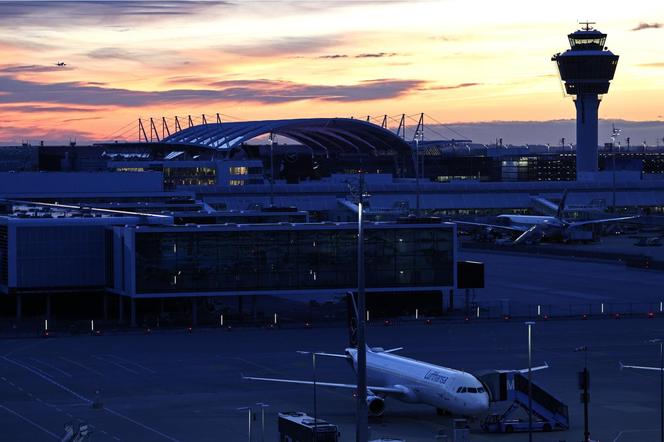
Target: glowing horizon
(460, 62)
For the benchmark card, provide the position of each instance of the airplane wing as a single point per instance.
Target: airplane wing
(389, 390)
(533, 233)
(599, 221)
(491, 226)
(333, 355)
(525, 370)
(639, 367)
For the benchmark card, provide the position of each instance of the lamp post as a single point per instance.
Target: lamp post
(271, 141)
(248, 409)
(417, 172)
(362, 412)
(263, 407)
(584, 384)
(661, 385)
(313, 365)
(529, 324)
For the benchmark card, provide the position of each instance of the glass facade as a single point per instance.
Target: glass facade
(230, 260)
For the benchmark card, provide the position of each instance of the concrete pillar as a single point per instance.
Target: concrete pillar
(450, 307)
(105, 306)
(19, 307)
(194, 311)
(133, 312)
(120, 309)
(48, 306)
(587, 106)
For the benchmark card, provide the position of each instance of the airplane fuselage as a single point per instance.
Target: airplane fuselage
(528, 221)
(455, 391)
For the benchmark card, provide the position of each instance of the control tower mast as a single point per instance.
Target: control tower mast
(586, 68)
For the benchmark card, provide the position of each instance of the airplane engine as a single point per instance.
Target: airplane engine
(376, 405)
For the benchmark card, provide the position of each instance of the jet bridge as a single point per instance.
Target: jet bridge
(549, 413)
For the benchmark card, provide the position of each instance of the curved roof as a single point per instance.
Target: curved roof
(327, 134)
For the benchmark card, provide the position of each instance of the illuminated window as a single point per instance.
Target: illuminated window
(236, 182)
(239, 170)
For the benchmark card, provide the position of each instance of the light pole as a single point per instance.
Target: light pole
(417, 173)
(584, 384)
(263, 407)
(313, 365)
(529, 324)
(248, 409)
(661, 385)
(271, 141)
(362, 412)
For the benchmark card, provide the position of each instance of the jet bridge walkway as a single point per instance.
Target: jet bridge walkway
(549, 413)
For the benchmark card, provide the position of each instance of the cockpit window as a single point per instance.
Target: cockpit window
(470, 390)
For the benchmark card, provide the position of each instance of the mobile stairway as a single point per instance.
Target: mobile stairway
(548, 412)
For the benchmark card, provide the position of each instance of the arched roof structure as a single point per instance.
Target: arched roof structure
(345, 135)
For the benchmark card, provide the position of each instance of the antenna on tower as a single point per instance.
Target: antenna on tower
(586, 25)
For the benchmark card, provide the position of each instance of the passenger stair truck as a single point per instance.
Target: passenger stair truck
(549, 413)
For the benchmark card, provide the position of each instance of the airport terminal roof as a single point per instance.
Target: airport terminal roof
(345, 135)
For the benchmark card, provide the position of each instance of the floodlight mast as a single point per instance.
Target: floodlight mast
(362, 411)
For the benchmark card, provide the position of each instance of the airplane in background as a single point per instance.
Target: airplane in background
(533, 228)
(61, 64)
(412, 381)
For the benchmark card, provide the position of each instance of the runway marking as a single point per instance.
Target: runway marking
(85, 367)
(25, 346)
(136, 364)
(619, 435)
(165, 436)
(31, 422)
(73, 393)
(51, 366)
(117, 364)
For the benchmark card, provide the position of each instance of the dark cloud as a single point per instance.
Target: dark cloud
(282, 46)
(256, 91)
(112, 52)
(643, 25)
(69, 120)
(37, 108)
(19, 69)
(103, 12)
(333, 56)
(453, 86)
(377, 55)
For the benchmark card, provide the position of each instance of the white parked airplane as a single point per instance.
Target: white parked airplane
(535, 227)
(412, 381)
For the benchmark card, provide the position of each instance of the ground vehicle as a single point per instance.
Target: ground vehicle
(295, 426)
(497, 423)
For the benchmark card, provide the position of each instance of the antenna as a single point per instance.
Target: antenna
(586, 25)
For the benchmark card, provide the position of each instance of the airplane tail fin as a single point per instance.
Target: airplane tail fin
(561, 205)
(352, 319)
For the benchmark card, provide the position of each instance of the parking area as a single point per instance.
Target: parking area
(179, 386)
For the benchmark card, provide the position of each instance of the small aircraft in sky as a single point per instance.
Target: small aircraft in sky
(61, 64)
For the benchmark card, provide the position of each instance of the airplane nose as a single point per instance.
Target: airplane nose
(482, 404)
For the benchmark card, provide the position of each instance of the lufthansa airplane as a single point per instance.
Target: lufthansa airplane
(409, 380)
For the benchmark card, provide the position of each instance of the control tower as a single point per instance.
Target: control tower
(586, 68)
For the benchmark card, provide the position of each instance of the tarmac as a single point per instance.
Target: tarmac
(180, 386)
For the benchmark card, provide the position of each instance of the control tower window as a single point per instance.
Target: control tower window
(587, 43)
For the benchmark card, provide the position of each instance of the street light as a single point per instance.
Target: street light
(529, 324)
(263, 407)
(661, 385)
(313, 364)
(248, 409)
(584, 384)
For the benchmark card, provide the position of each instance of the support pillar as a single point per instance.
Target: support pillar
(133, 312)
(19, 307)
(48, 306)
(194, 311)
(120, 310)
(105, 306)
(450, 307)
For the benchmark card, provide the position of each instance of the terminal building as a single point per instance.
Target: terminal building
(269, 207)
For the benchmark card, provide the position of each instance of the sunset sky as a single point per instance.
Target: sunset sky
(458, 61)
